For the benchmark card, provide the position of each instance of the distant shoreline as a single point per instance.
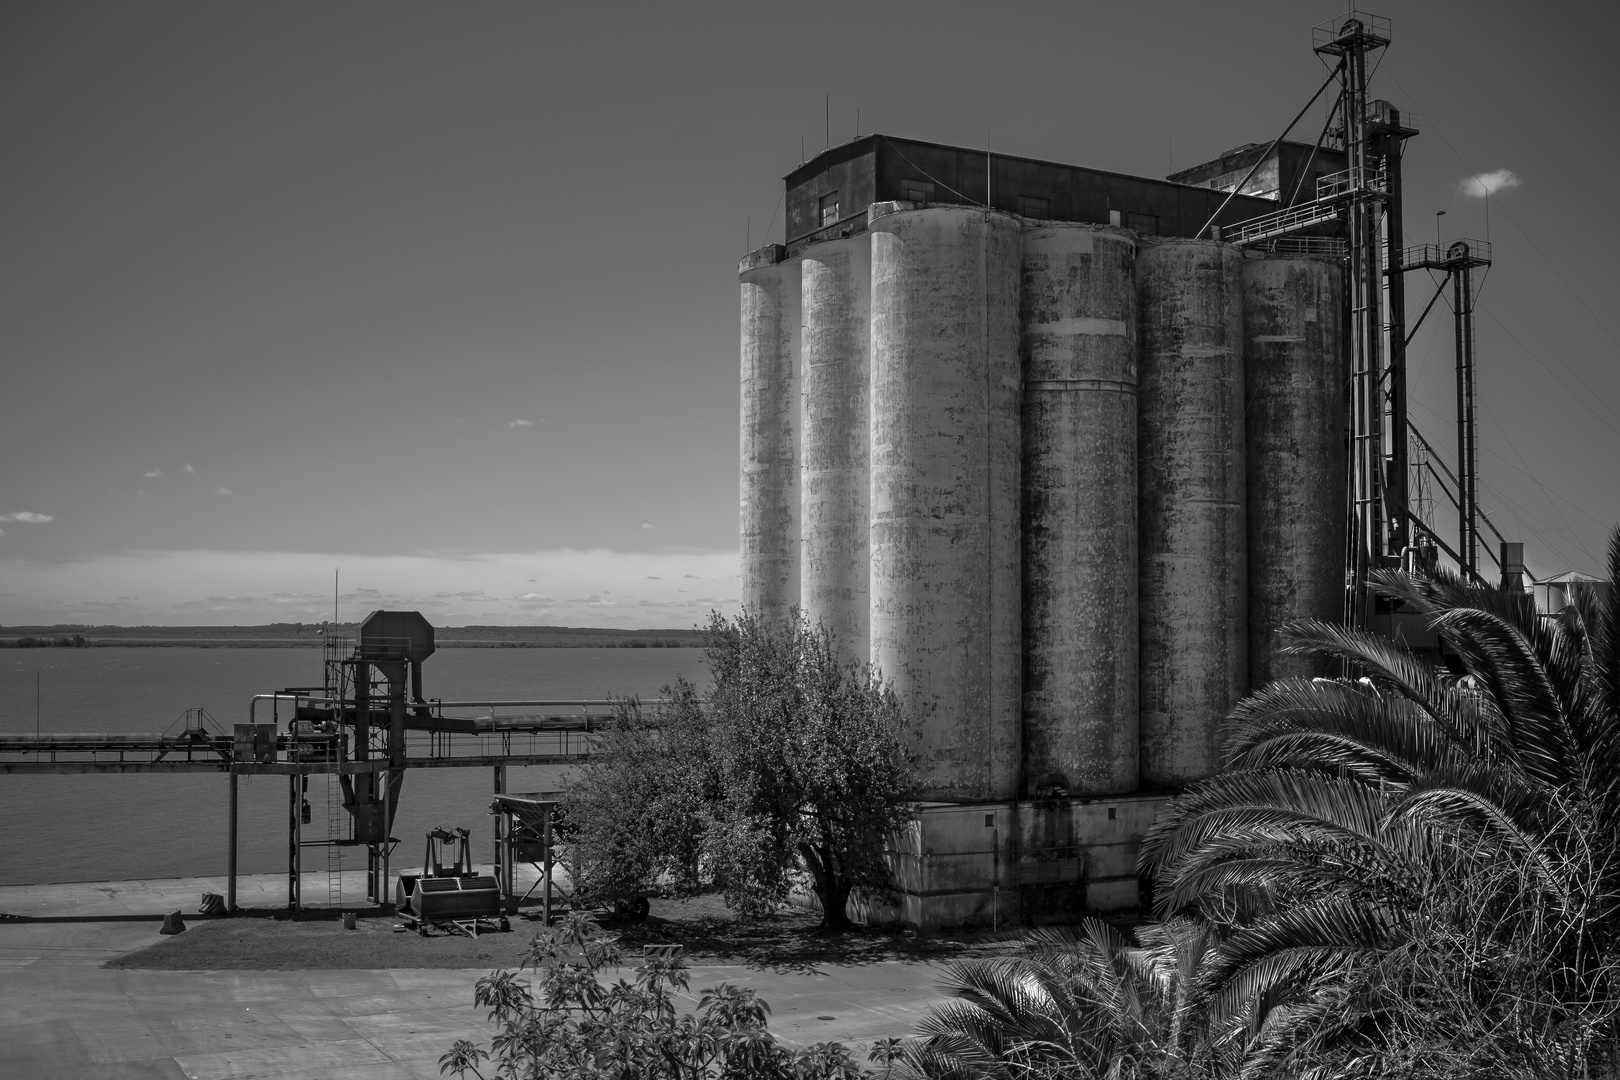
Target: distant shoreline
(313, 636)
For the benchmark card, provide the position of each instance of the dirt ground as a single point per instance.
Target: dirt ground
(702, 925)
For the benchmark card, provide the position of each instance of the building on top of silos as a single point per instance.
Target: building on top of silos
(1078, 347)
(834, 566)
(1193, 562)
(769, 517)
(945, 622)
(1296, 373)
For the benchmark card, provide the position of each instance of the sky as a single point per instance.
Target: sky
(443, 298)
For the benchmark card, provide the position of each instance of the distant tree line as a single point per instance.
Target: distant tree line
(54, 641)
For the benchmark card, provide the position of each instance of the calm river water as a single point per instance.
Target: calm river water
(96, 827)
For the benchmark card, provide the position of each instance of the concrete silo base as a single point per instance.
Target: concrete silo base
(1014, 863)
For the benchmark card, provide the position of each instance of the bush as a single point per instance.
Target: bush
(566, 1024)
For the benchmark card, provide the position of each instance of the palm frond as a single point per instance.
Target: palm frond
(1276, 802)
(1383, 660)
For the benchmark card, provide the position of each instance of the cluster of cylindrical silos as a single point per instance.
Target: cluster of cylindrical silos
(1060, 482)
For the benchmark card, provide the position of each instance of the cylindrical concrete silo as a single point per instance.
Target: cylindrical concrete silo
(770, 433)
(945, 621)
(1080, 543)
(1193, 565)
(835, 447)
(1295, 372)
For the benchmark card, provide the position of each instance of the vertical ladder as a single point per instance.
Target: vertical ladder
(337, 684)
(334, 833)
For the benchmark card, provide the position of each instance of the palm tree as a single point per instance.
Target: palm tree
(1408, 863)
(1079, 1004)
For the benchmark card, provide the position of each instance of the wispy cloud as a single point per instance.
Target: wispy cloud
(223, 491)
(28, 516)
(190, 471)
(520, 423)
(1483, 184)
(644, 525)
(153, 475)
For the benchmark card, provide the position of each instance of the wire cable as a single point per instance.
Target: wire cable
(1550, 264)
(1539, 486)
(934, 179)
(1515, 510)
(1556, 355)
(1582, 398)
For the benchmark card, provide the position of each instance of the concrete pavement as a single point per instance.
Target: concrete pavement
(63, 1016)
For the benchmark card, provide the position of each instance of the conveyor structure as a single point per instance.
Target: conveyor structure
(364, 727)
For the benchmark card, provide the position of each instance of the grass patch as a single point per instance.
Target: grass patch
(707, 930)
(262, 941)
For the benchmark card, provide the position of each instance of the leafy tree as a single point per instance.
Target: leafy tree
(567, 1023)
(794, 769)
(810, 766)
(630, 812)
(1413, 872)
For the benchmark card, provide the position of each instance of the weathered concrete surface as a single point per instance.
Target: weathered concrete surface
(1007, 863)
(1193, 564)
(770, 433)
(1295, 372)
(1079, 512)
(945, 622)
(62, 1015)
(834, 570)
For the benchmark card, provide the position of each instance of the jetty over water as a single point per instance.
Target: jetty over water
(364, 729)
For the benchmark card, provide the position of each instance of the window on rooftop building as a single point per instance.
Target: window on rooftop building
(829, 208)
(918, 191)
(1146, 224)
(1031, 206)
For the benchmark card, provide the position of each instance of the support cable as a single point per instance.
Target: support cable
(1310, 161)
(1546, 531)
(1582, 398)
(1261, 159)
(1432, 535)
(1525, 470)
(1501, 296)
(1541, 529)
(1550, 264)
(1430, 462)
(932, 178)
(1444, 281)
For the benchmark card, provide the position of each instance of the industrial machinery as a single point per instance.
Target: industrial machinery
(450, 896)
(527, 831)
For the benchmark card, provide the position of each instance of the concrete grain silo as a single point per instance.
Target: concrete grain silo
(1296, 374)
(1193, 559)
(836, 437)
(1012, 467)
(1079, 513)
(769, 517)
(944, 498)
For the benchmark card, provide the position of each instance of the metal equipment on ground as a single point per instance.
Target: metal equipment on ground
(450, 896)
